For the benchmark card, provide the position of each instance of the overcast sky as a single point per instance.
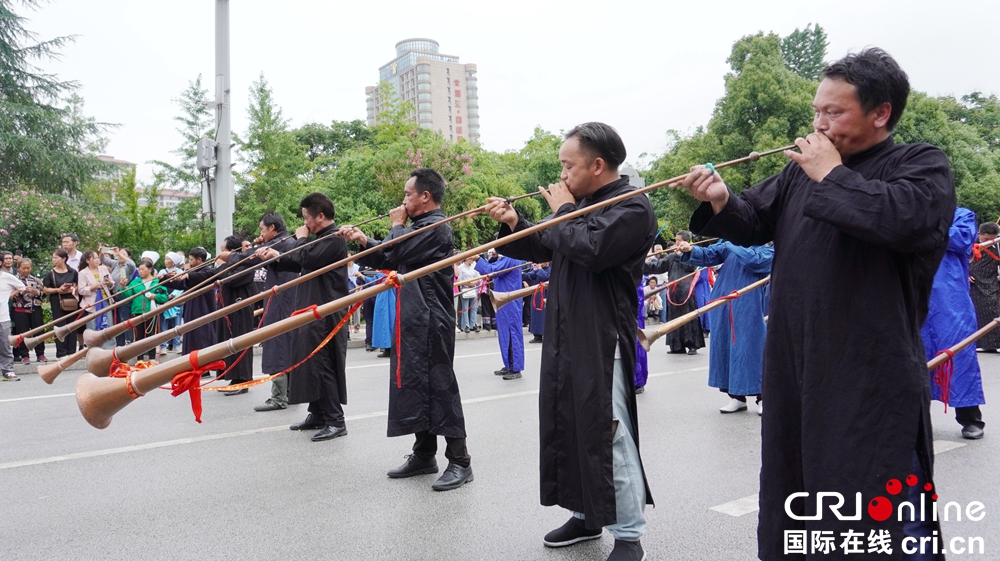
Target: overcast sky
(643, 67)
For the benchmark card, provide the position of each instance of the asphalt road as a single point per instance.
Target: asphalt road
(158, 485)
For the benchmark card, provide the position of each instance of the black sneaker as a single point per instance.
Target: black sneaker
(573, 531)
(627, 551)
(502, 372)
(512, 376)
(414, 465)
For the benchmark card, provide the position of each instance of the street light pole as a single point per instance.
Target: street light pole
(225, 197)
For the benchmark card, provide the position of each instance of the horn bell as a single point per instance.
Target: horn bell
(100, 398)
(647, 337)
(61, 332)
(93, 338)
(99, 361)
(49, 372)
(32, 342)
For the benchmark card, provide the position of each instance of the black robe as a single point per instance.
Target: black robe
(597, 262)
(425, 397)
(689, 335)
(305, 382)
(202, 305)
(239, 322)
(277, 354)
(985, 291)
(845, 374)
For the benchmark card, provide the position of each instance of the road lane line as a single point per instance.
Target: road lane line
(748, 504)
(36, 397)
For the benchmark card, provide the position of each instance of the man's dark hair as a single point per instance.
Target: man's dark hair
(599, 141)
(989, 229)
(198, 253)
(685, 235)
(316, 203)
(429, 181)
(4, 254)
(877, 78)
(274, 219)
(233, 242)
(70, 236)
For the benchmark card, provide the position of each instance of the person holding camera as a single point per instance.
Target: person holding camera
(94, 288)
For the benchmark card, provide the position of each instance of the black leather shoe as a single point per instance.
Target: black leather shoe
(692, 351)
(573, 531)
(627, 551)
(237, 392)
(512, 376)
(502, 372)
(329, 433)
(369, 348)
(311, 423)
(414, 465)
(454, 476)
(384, 353)
(972, 432)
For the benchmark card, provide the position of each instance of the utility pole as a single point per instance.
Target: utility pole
(225, 196)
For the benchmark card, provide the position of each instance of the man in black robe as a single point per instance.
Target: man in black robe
(588, 425)
(201, 305)
(680, 298)
(277, 354)
(424, 399)
(322, 380)
(237, 286)
(984, 279)
(860, 225)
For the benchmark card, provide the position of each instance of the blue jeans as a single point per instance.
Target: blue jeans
(465, 320)
(663, 310)
(630, 489)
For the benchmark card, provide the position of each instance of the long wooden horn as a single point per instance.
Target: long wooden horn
(48, 372)
(649, 335)
(100, 398)
(500, 299)
(943, 357)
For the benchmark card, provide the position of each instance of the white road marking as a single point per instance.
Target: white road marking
(748, 504)
(37, 397)
(386, 364)
(739, 507)
(945, 445)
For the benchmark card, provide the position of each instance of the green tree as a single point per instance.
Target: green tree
(44, 137)
(275, 166)
(325, 145)
(804, 51)
(139, 227)
(195, 121)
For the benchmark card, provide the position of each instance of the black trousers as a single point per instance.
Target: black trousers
(24, 322)
(328, 407)
(143, 330)
(123, 313)
(426, 446)
(969, 416)
(67, 346)
(368, 311)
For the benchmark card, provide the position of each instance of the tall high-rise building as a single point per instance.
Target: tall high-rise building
(444, 92)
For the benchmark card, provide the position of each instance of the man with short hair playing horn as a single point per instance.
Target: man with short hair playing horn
(424, 399)
(860, 225)
(322, 380)
(984, 276)
(589, 436)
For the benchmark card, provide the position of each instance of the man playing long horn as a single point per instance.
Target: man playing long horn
(589, 437)
(859, 224)
(322, 381)
(424, 399)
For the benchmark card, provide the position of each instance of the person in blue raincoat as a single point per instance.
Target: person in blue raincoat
(702, 294)
(736, 350)
(509, 327)
(641, 363)
(537, 275)
(951, 318)
(384, 318)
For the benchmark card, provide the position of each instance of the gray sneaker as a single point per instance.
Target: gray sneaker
(10, 377)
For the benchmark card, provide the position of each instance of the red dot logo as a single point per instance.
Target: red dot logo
(880, 509)
(893, 486)
(934, 497)
(911, 480)
(928, 486)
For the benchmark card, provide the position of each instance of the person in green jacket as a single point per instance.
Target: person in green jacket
(145, 303)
